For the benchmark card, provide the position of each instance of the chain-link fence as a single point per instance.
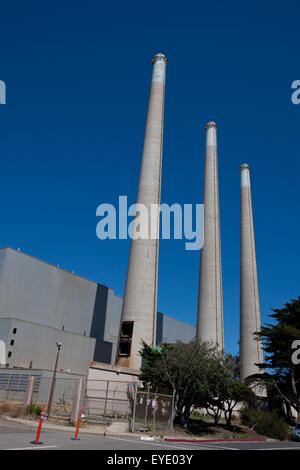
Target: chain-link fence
(63, 396)
(13, 387)
(108, 401)
(151, 410)
(103, 401)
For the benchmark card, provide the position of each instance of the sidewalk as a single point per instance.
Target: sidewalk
(101, 430)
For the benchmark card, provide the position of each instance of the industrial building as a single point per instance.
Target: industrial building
(41, 304)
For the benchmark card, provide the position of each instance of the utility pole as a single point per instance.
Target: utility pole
(53, 381)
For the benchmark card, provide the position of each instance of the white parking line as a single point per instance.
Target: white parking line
(149, 443)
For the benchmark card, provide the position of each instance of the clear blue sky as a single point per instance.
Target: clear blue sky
(78, 76)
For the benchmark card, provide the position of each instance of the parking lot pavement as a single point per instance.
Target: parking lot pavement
(17, 437)
(259, 446)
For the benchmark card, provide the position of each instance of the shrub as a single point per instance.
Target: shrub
(265, 423)
(33, 410)
(196, 415)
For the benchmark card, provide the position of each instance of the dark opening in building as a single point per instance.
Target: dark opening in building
(124, 348)
(125, 338)
(127, 329)
(12, 342)
(9, 354)
(14, 331)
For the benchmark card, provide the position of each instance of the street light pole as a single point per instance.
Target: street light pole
(53, 381)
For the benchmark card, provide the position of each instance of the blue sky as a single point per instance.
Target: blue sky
(78, 76)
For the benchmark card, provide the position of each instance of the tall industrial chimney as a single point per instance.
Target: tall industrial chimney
(139, 311)
(210, 302)
(251, 351)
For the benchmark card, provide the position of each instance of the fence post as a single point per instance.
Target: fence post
(147, 404)
(8, 386)
(76, 401)
(105, 404)
(29, 391)
(134, 407)
(113, 403)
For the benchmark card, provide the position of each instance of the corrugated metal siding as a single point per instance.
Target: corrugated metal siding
(18, 382)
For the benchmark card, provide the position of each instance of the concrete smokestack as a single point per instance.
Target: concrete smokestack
(251, 351)
(210, 303)
(138, 319)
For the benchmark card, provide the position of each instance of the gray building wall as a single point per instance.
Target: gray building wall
(2, 258)
(48, 304)
(170, 330)
(35, 346)
(5, 326)
(38, 292)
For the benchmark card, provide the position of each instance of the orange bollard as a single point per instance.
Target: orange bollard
(76, 438)
(37, 439)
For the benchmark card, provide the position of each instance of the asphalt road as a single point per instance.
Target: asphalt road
(18, 437)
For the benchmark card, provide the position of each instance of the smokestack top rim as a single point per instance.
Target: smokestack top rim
(244, 166)
(210, 124)
(159, 56)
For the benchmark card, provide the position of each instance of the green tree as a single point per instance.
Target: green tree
(152, 370)
(191, 371)
(283, 380)
(230, 391)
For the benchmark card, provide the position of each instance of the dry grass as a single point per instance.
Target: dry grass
(11, 408)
